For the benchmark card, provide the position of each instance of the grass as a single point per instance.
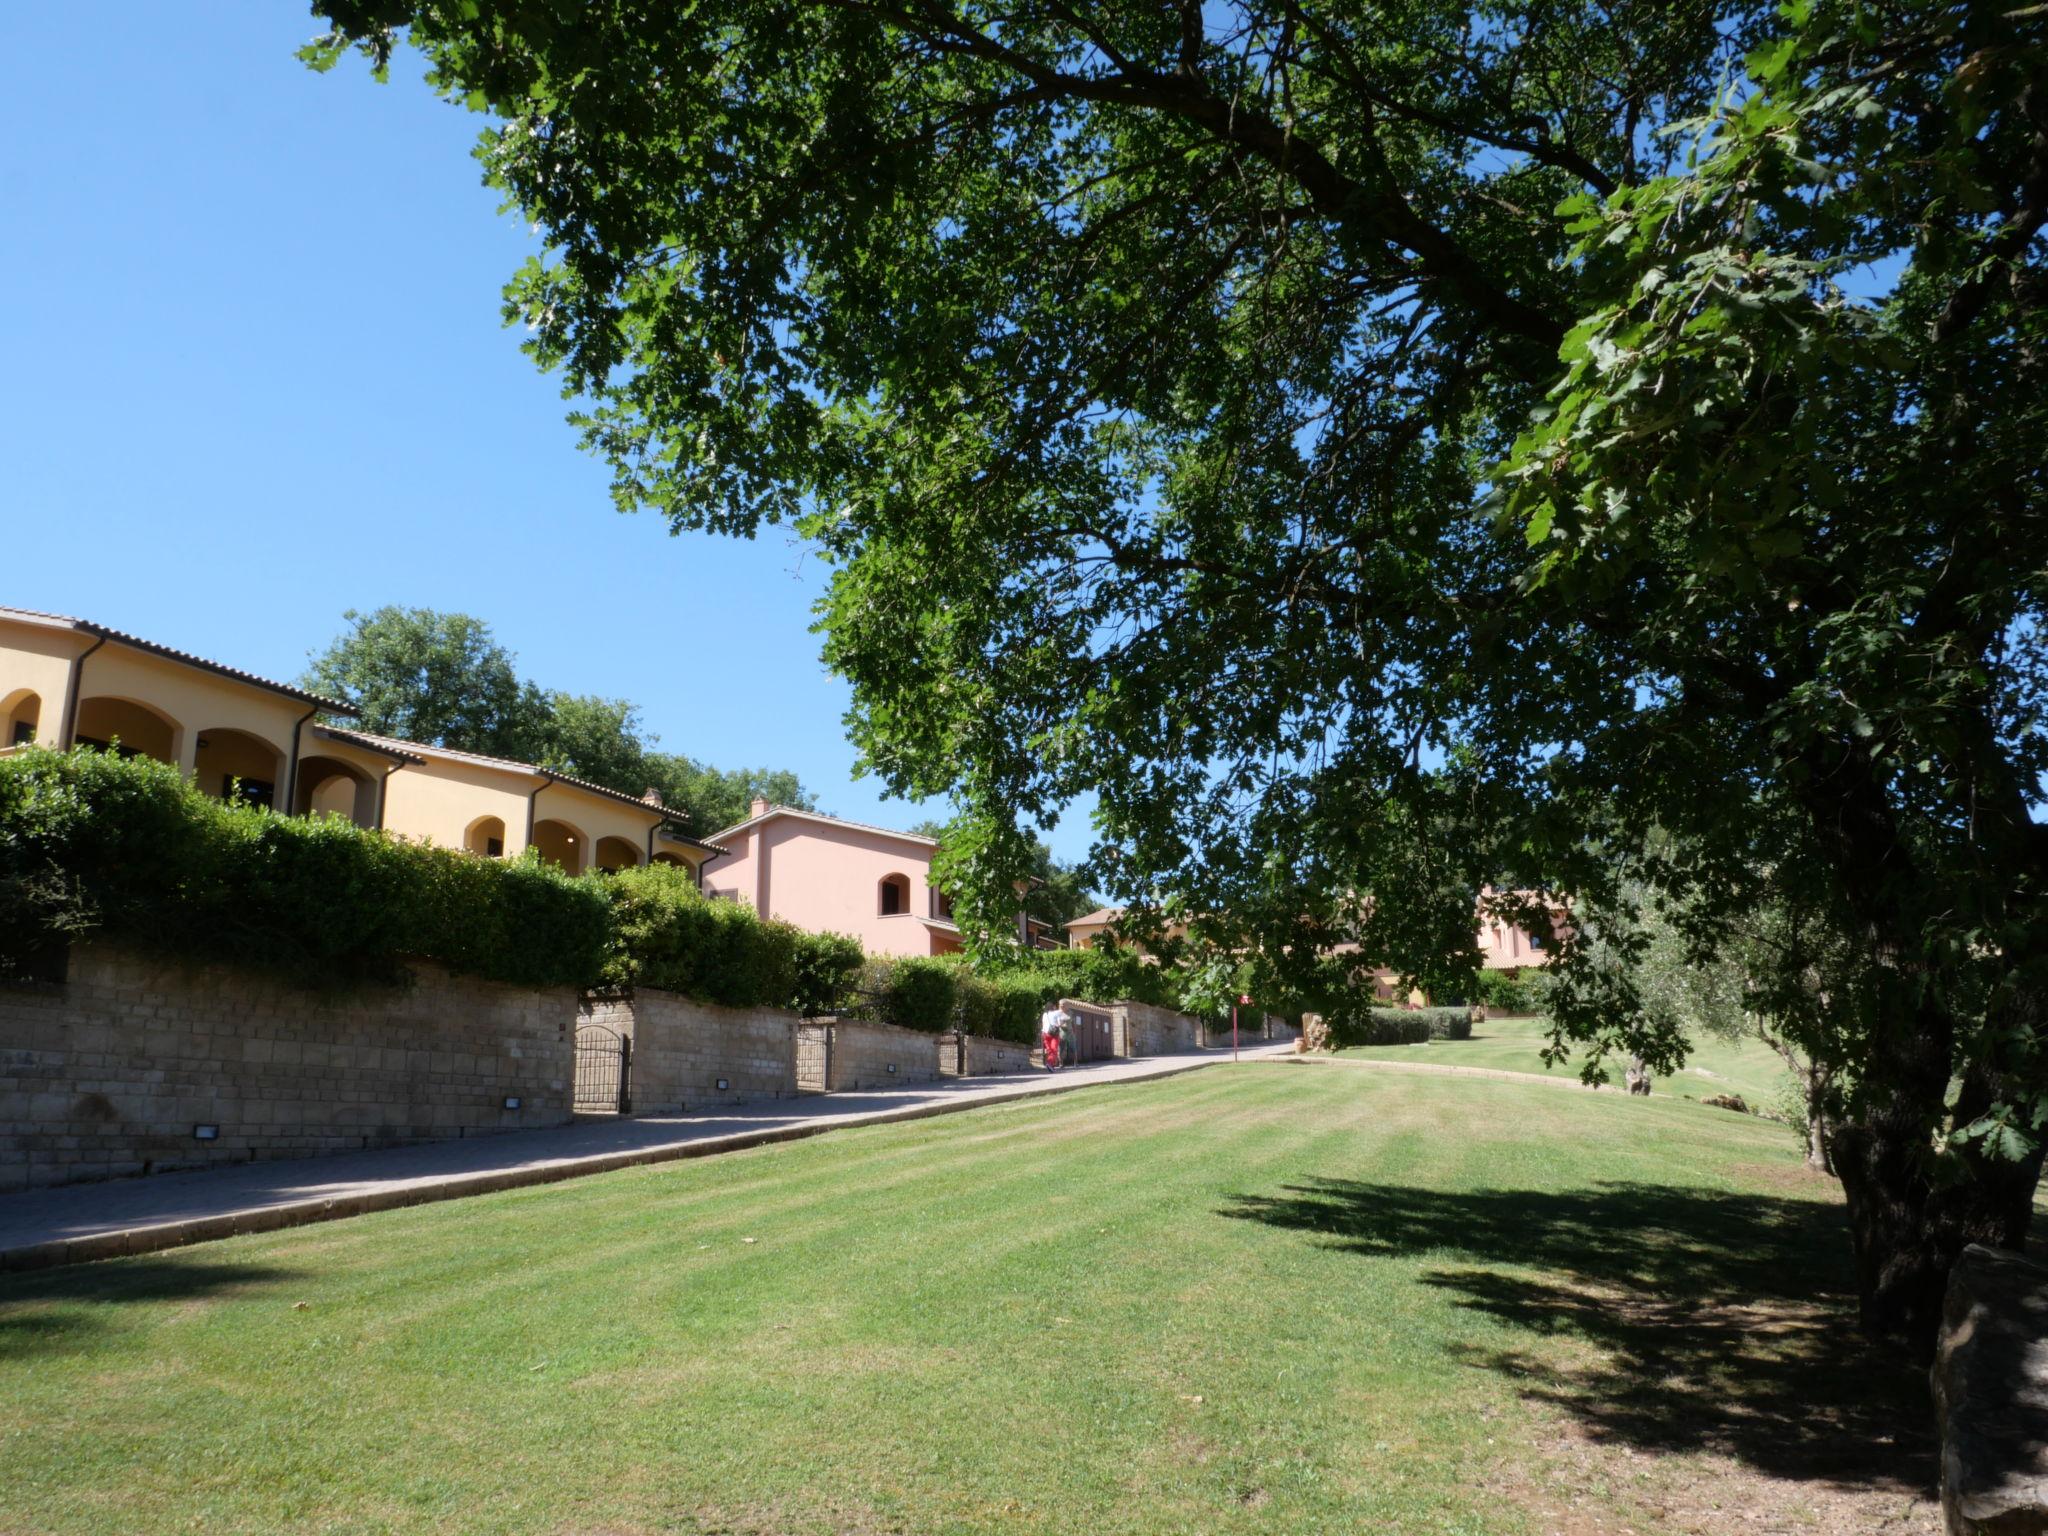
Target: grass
(1268, 1298)
(1747, 1067)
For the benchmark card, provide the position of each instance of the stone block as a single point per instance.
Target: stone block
(1991, 1395)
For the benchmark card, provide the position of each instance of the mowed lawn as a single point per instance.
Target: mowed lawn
(1747, 1067)
(1266, 1298)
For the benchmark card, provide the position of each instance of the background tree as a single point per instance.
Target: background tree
(1056, 892)
(440, 678)
(1371, 446)
(717, 798)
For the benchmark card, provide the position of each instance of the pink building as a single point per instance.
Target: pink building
(834, 876)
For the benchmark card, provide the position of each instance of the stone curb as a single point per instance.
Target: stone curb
(205, 1229)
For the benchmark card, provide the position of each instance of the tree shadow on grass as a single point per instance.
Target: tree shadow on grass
(1716, 1321)
(51, 1311)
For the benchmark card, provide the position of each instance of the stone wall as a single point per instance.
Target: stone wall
(1152, 1031)
(860, 1055)
(987, 1057)
(1990, 1382)
(112, 1070)
(684, 1049)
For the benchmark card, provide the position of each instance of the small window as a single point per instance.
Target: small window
(942, 906)
(895, 895)
(1536, 941)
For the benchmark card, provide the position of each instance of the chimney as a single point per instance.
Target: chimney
(652, 797)
(758, 808)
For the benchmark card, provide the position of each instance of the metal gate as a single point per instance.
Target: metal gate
(604, 1071)
(953, 1053)
(1093, 1034)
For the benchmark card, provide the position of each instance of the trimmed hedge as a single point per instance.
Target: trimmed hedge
(666, 933)
(1404, 1026)
(1002, 1008)
(90, 841)
(1104, 975)
(914, 991)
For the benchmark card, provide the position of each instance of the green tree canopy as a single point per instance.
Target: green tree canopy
(442, 678)
(1377, 451)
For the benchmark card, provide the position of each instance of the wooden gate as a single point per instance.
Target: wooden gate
(813, 1058)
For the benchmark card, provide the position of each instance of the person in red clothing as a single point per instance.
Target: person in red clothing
(1052, 1029)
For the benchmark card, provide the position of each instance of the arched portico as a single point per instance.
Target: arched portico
(132, 729)
(562, 844)
(240, 765)
(330, 787)
(485, 837)
(21, 714)
(615, 853)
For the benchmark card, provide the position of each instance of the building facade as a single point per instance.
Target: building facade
(834, 876)
(67, 681)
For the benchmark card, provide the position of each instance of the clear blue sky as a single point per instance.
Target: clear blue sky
(257, 377)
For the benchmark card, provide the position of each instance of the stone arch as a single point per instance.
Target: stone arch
(562, 843)
(21, 717)
(239, 765)
(485, 837)
(616, 853)
(127, 726)
(330, 787)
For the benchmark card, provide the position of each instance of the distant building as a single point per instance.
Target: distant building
(834, 876)
(66, 682)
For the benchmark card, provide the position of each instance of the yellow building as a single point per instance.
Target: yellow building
(66, 681)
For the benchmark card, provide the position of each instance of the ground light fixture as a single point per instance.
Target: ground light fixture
(722, 1085)
(511, 1101)
(206, 1133)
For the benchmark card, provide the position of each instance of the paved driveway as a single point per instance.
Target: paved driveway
(76, 1222)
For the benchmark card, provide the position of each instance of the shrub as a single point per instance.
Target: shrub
(826, 965)
(912, 990)
(668, 934)
(1507, 994)
(1003, 1008)
(92, 841)
(1105, 974)
(1452, 1023)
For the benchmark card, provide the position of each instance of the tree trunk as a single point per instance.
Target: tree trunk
(1909, 1218)
(1817, 1153)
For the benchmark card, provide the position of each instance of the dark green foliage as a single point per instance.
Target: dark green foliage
(1106, 974)
(1003, 1007)
(1446, 1023)
(444, 679)
(1509, 994)
(825, 966)
(913, 991)
(1400, 1026)
(667, 934)
(1224, 413)
(92, 842)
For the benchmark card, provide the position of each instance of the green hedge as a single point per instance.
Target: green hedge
(1002, 1008)
(1103, 975)
(666, 933)
(1400, 1026)
(90, 841)
(1526, 993)
(912, 990)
